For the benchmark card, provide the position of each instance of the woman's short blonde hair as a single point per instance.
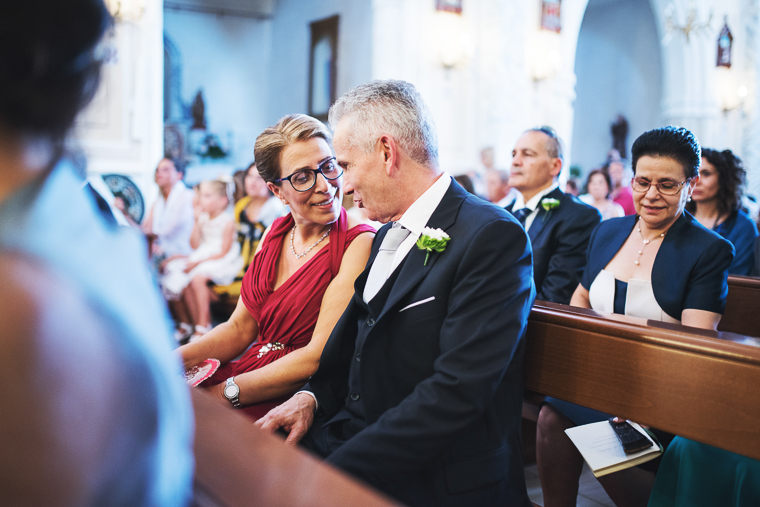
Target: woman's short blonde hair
(290, 129)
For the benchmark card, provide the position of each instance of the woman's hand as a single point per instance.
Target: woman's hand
(190, 266)
(166, 261)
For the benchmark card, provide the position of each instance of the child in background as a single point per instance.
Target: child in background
(215, 257)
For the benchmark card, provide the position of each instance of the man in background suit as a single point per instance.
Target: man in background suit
(559, 225)
(419, 388)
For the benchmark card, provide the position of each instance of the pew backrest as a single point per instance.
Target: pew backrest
(742, 314)
(699, 384)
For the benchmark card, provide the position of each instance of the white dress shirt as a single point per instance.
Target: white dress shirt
(416, 217)
(532, 204)
(173, 220)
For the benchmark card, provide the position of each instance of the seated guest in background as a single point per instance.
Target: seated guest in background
(497, 186)
(300, 280)
(621, 191)
(253, 214)
(94, 409)
(571, 187)
(419, 390)
(660, 265)
(215, 256)
(559, 225)
(716, 204)
(466, 183)
(599, 187)
(171, 216)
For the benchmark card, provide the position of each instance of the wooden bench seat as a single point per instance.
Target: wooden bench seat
(240, 465)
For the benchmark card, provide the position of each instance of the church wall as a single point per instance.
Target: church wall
(619, 72)
(288, 75)
(489, 97)
(121, 131)
(228, 59)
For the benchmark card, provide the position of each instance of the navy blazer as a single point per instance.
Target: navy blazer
(440, 382)
(559, 239)
(689, 271)
(741, 231)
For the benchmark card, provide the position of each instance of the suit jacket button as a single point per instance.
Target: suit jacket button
(354, 396)
(358, 357)
(370, 322)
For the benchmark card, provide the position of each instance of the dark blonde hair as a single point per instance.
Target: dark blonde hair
(220, 187)
(290, 129)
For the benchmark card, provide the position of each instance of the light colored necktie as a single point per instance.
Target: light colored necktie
(381, 267)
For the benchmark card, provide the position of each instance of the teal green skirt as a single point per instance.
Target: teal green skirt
(693, 474)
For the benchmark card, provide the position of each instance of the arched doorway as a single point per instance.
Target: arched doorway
(618, 70)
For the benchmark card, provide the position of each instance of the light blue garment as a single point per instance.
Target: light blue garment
(55, 223)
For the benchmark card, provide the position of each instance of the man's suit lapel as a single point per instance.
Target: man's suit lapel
(541, 219)
(413, 268)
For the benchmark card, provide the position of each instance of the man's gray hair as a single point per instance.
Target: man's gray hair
(388, 107)
(554, 144)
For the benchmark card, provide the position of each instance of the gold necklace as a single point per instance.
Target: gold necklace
(293, 248)
(646, 241)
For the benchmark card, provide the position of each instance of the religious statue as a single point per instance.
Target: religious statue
(619, 135)
(199, 112)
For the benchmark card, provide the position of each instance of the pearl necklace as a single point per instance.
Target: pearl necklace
(646, 241)
(293, 248)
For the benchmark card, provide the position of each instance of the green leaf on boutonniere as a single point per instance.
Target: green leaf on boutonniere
(432, 240)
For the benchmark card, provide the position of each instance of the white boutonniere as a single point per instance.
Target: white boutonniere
(549, 204)
(432, 240)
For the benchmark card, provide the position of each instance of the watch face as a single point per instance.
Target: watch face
(230, 391)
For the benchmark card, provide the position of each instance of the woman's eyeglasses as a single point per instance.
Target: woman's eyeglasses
(304, 179)
(664, 187)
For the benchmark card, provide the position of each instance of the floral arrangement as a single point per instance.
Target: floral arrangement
(211, 147)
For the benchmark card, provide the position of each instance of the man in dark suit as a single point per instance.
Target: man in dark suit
(559, 225)
(419, 388)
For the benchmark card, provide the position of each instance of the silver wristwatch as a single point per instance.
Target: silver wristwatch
(232, 392)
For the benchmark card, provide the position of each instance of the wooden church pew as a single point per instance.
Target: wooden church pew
(742, 313)
(695, 383)
(240, 465)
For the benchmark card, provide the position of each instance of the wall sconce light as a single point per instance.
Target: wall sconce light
(543, 56)
(730, 95)
(126, 11)
(454, 43)
(690, 26)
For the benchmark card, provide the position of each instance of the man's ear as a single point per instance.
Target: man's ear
(387, 150)
(556, 167)
(277, 191)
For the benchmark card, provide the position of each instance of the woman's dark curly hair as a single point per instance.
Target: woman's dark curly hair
(49, 68)
(731, 180)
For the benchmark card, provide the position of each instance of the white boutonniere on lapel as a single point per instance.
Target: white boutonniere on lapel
(549, 204)
(432, 240)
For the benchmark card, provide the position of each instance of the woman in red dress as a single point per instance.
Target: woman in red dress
(300, 280)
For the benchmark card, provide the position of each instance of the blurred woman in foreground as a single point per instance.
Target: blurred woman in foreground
(94, 409)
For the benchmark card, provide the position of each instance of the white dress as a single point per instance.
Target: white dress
(639, 299)
(220, 271)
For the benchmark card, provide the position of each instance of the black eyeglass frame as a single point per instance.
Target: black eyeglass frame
(318, 170)
(679, 186)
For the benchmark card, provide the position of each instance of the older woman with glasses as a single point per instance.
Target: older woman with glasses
(300, 280)
(659, 264)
